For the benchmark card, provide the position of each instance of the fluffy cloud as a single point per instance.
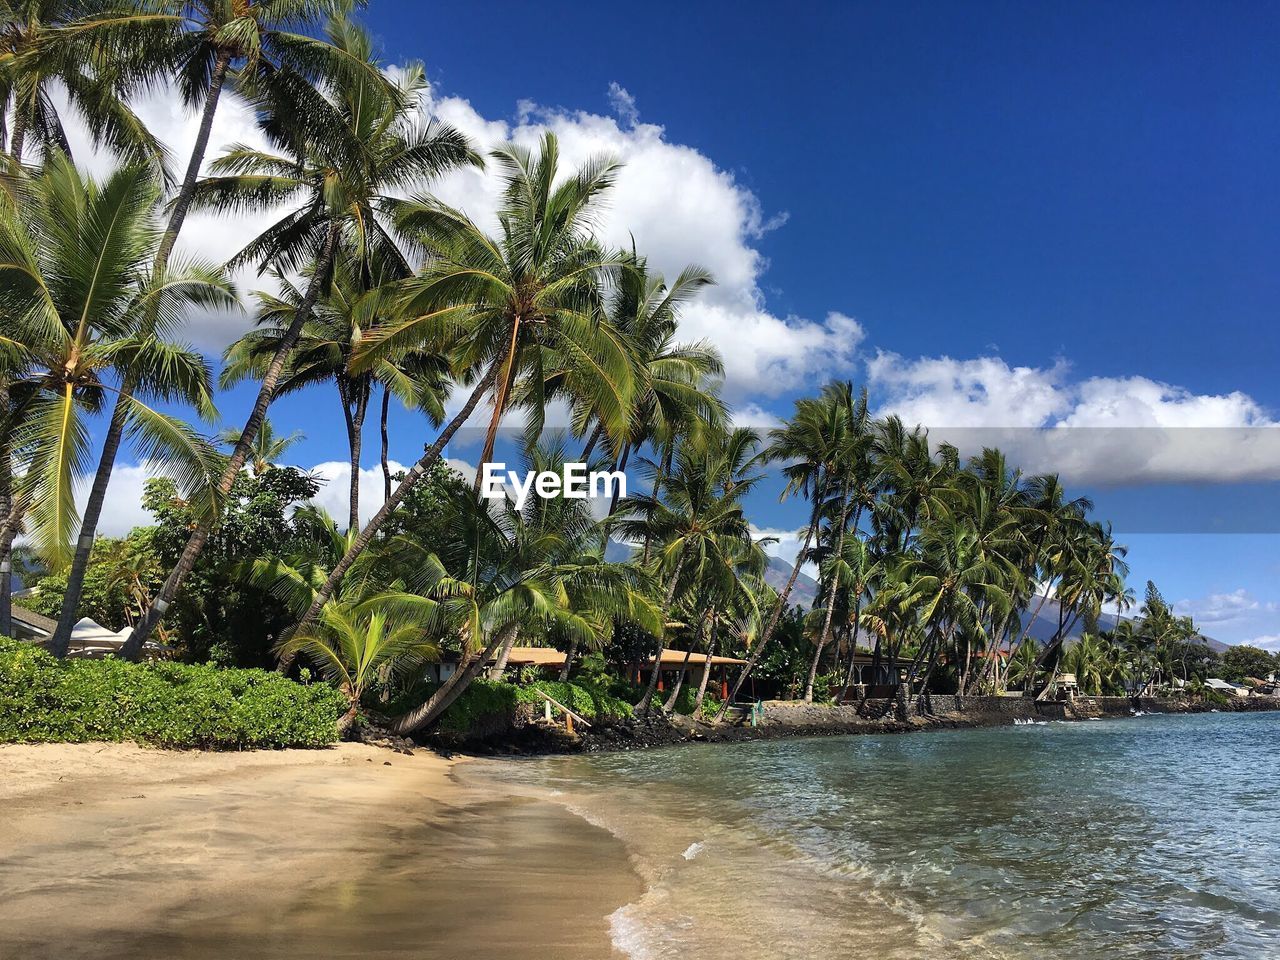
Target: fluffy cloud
(1099, 430)
(1267, 642)
(1224, 609)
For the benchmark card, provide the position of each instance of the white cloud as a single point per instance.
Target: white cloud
(1224, 609)
(1101, 430)
(623, 104)
(1270, 641)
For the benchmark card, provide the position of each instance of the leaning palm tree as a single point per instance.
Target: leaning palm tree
(141, 42)
(343, 150)
(75, 264)
(506, 307)
(507, 573)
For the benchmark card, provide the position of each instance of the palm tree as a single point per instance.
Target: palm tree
(696, 523)
(37, 56)
(672, 399)
(329, 340)
(268, 448)
(355, 644)
(950, 579)
(812, 454)
(344, 149)
(76, 267)
(506, 573)
(200, 41)
(506, 306)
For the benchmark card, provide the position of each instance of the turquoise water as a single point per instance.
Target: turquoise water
(1152, 837)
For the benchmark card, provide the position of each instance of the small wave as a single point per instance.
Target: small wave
(1019, 722)
(693, 851)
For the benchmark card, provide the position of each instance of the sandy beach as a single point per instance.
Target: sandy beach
(112, 850)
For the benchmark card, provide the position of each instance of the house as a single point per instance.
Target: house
(31, 626)
(1230, 689)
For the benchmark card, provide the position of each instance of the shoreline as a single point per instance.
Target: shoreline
(788, 718)
(113, 850)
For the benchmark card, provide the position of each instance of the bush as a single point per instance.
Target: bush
(486, 698)
(45, 700)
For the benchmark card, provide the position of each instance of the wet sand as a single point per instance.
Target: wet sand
(114, 851)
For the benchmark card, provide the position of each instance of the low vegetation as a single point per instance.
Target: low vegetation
(46, 700)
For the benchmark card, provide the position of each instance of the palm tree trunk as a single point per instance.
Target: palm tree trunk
(19, 136)
(702, 685)
(182, 202)
(355, 409)
(386, 467)
(504, 654)
(596, 434)
(646, 701)
(69, 614)
(6, 500)
(676, 687)
(195, 543)
(568, 662)
(451, 689)
(366, 535)
(831, 607)
(115, 431)
(776, 615)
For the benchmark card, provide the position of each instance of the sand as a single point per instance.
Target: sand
(114, 851)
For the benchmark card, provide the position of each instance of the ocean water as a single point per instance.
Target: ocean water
(1152, 837)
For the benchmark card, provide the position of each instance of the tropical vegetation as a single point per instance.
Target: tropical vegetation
(949, 571)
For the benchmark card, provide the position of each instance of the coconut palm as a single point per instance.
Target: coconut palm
(812, 454)
(538, 573)
(339, 323)
(507, 308)
(343, 150)
(268, 448)
(698, 523)
(672, 399)
(140, 43)
(39, 64)
(76, 265)
(357, 643)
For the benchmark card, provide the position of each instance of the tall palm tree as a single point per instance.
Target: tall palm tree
(76, 263)
(341, 320)
(200, 42)
(503, 306)
(696, 522)
(343, 150)
(811, 454)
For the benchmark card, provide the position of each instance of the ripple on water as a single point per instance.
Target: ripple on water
(1151, 837)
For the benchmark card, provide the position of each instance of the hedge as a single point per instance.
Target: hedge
(484, 698)
(46, 700)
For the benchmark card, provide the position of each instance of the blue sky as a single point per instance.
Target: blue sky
(997, 215)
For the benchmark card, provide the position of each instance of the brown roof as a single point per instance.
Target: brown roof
(672, 658)
(35, 620)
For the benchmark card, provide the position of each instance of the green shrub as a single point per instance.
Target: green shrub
(487, 698)
(45, 700)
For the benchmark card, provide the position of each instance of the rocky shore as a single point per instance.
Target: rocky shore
(789, 718)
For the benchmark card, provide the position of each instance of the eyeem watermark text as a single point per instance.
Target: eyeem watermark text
(573, 482)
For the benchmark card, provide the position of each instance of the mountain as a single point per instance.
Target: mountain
(805, 590)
